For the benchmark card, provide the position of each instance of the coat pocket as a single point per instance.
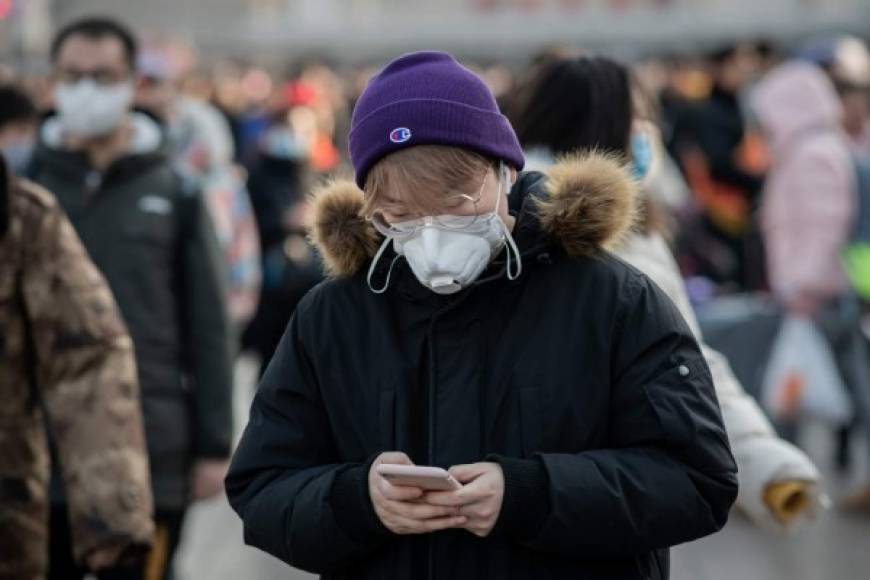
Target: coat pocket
(387, 420)
(531, 421)
(685, 403)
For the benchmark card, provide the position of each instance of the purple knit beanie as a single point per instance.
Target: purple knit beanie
(428, 98)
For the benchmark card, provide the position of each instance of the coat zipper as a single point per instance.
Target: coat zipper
(452, 305)
(432, 401)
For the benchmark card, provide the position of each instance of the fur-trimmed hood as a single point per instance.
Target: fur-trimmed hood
(583, 203)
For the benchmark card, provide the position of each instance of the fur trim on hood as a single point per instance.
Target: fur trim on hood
(590, 203)
(343, 236)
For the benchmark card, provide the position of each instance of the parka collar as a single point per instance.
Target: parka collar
(583, 204)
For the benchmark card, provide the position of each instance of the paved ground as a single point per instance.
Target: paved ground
(836, 548)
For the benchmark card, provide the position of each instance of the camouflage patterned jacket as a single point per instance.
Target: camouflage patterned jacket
(62, 342)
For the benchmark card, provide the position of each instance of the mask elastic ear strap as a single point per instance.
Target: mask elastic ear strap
(512, 245)
(375, 261)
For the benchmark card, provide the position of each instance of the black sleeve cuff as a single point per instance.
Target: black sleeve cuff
(352, 504)
(526, 502)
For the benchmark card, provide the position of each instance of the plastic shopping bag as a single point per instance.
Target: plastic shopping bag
(802, 378)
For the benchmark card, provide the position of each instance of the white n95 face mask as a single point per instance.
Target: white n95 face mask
(446, 255)
(87, 109)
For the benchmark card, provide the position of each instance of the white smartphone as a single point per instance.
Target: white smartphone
(427, 478)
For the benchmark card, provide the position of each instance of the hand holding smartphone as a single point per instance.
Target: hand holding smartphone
(396, 488)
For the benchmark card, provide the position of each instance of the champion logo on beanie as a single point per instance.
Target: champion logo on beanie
(444, 102)
(400, 135)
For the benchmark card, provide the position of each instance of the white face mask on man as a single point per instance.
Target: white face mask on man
(449, 253)
(88, 109)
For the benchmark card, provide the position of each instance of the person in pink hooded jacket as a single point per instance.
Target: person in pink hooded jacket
(809, 199)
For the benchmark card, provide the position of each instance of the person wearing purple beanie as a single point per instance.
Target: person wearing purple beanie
(559, 387)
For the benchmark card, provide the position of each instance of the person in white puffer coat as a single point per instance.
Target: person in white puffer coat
(584, 103)
(779, 485)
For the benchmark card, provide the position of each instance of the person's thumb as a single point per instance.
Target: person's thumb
(469, 472)
(395, 458)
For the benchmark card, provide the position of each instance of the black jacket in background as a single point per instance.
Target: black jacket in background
(290, 266)
(275, 185)
(151, 237)
(580, 378)
(718, 126)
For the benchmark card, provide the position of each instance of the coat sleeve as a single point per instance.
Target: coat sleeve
(86, 373)
(667, 475)
(207, 332)
(297, 500)
(762, 457)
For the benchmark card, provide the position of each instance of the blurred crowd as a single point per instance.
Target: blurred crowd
(756, 164)
(273, 133)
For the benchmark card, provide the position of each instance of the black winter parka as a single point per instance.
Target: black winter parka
(580, 378)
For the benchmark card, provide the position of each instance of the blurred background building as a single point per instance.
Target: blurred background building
(354, 30)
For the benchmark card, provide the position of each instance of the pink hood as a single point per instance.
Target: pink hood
(795, 98)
